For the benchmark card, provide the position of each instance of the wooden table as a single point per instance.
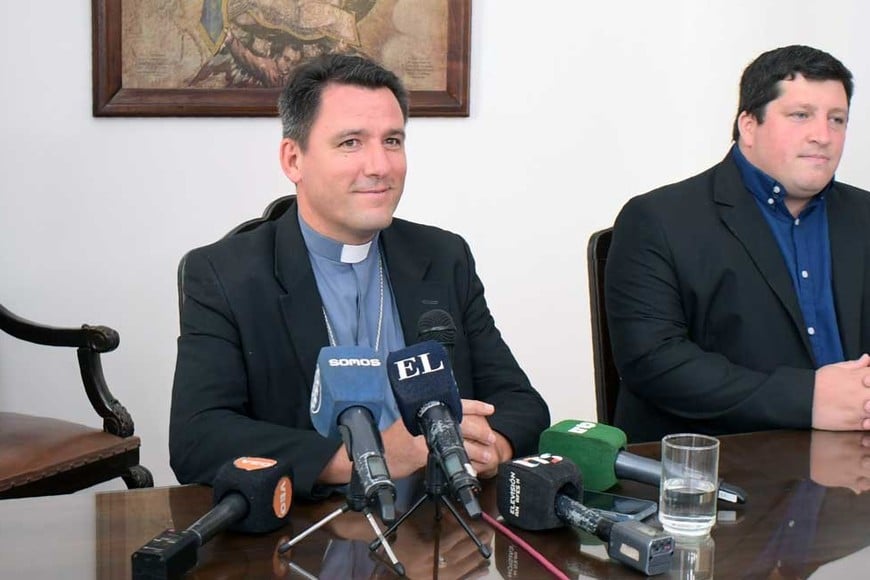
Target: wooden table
(804, 511)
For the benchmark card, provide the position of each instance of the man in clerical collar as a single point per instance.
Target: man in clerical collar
(739, 299)
(335, 269)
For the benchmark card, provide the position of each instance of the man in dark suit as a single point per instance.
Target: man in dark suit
(335, 269)
(739, 299)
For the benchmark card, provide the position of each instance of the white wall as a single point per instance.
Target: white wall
(575, 108)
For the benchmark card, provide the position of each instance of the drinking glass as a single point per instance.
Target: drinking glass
(690, 481)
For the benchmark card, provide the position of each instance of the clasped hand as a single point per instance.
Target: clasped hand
(486, 448)
(406, 454)
(841, 396)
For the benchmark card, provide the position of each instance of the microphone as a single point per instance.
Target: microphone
(540, 492)
(429, 403)
(437, 325)
(251, 495)
(346, 400)
(599, 452)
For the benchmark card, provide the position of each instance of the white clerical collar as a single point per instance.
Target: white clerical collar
(331, 249)
(354, 254)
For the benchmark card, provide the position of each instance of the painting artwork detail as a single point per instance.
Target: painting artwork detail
(216, 44)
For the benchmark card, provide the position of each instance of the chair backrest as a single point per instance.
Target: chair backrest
(606, 375)
(272, 212)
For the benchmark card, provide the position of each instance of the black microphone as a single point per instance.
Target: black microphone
(438, 325)
(429, 403)
(251, 495)
(599, 452)
(347, 399)
(540, 493)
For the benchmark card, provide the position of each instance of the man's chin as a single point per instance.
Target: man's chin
(811, 185)
(370, 227)
(813, 188)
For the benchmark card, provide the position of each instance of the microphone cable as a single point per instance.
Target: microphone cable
(527, 548)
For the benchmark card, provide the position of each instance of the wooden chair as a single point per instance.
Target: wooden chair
(606, 375)
(49, 456)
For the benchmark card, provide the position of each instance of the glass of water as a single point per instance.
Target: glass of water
(690, 481)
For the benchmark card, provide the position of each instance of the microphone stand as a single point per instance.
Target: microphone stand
(436, 490)
(356, 501)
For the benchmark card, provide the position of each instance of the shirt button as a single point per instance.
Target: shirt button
(776, 189)
(797, 222)
(805, 274)
(770, 201)
(811, 331)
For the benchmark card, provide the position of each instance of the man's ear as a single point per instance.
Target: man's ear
(291, 155)
(746, 125)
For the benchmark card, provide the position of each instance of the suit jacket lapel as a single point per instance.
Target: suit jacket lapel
(407, 267)
(740, 214)
(301, 305)
(847, 257)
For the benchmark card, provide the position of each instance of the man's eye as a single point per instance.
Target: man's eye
(393, 142)
(838, 120)
(800, 115)
(349, 144)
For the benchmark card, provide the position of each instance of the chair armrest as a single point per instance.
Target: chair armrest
(95, 338)
(90, 342)
(116, 419)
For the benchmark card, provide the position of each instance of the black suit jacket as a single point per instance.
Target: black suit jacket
(252, 327)
(706, 328)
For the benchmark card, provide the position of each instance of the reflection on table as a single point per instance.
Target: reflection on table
(807, 513)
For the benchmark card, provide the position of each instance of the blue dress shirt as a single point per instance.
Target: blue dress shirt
(806, 249)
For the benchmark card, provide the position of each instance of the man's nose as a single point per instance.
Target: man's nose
(377, 160)
(821, 130)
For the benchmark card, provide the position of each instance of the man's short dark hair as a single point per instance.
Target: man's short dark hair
(300, 100)
(760, 81)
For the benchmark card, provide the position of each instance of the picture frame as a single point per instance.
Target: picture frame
(111, 98)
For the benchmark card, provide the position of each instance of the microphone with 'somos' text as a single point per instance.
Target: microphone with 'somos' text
(347, 399)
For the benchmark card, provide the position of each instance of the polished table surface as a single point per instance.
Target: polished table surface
(806, 515)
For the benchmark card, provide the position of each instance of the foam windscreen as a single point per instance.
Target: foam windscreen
(346, 376)
(593, 447)
(527, 490)
(436, 325)
(421, 374)
(265, 484)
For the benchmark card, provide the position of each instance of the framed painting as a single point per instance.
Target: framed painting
(155, 58)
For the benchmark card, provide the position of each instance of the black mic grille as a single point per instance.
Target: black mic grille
(436, 325)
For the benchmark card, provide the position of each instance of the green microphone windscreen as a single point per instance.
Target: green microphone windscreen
(591, 446)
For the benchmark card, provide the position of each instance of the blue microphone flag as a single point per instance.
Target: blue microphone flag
(346, 376)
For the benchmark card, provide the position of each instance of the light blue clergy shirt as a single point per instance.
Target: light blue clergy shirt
(353, 283)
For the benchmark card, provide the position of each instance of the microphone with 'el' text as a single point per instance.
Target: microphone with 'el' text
(599, 451)
(540, 493)
(347, 400)
(428, 400)
(251, 495)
